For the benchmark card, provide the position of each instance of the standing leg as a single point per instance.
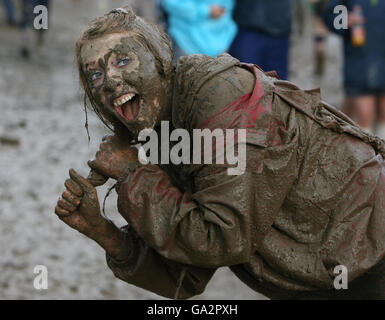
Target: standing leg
(11, 18)
(364, 111)
(320, 34)
(27, 25)
(381, 117)
(346, 107)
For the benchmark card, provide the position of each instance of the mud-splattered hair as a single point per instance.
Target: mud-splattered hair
(119, 21)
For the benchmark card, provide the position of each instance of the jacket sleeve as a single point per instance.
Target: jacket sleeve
(210, 228)
(188, 10)
(146, 269)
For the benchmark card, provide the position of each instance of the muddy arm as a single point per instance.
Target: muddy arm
(146, 269)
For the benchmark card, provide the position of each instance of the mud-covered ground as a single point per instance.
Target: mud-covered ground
(42, 135)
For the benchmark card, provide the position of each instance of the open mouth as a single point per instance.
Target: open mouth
(128, 105)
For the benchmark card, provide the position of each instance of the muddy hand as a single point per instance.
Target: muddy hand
(79, 206)
(113, 157)
(96, 179)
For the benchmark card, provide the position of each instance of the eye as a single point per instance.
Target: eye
(124, 62)
(95, 76)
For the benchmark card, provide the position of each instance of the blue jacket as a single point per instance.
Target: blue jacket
(269, 16)
(363, 66)
(193, 29)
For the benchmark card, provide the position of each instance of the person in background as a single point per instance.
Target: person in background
(263, 34)
(364, 61)
(200, 26)
(161, 14)
(11, 18)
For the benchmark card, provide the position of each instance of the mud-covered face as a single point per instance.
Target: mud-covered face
(124, 81)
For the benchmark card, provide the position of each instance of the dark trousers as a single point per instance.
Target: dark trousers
(369, 286)
(269, 53)
(9, 10)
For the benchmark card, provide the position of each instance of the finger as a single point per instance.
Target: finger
(107, 142)
(92, 163)
(73, 187)
(108, 137)
(115, 140)
(110, 142)
(95, 178)
(69, 196)
(60, 212)
(81, 181)
(96, 165)
(102, 146)
(66, 205)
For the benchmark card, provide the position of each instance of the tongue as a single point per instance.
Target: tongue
(131, 109)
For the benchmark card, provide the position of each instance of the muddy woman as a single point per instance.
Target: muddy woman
(310, 201)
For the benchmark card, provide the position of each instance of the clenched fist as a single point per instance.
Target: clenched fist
(113, 157)
(79, 206)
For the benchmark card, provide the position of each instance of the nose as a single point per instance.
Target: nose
(110, 85)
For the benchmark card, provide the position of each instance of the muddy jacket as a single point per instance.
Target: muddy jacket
(311, 198)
